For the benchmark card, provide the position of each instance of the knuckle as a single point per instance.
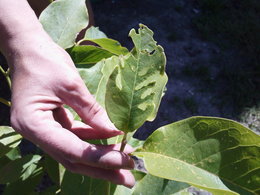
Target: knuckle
(72, 82)
(74, 156)
(95, 108)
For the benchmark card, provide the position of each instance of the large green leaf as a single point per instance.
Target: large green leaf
(210, 153)
(94, 35)
(85, 55)
(135, 88)
(151, 185)
(9, 139)
(21, 168)
(63, 20)
(52, 168)
(25, 187)
(77, 184)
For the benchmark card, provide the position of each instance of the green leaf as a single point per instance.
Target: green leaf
(9, 139)
(14, 154)
(151, 185)
(210, 153)
(50, 190)
(122, 190)
(61, 173)
(94, 33)
(135, 88)
(96, 77)
(86, 55)
(80, 185)
(25, 187)
(20, 168)
(63, 20)
(52, 168)
(96, 36)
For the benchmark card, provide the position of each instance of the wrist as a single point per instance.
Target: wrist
(18, 24)
(23, 43)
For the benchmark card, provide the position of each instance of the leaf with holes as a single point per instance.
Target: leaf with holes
(218, 155)
(135, 87)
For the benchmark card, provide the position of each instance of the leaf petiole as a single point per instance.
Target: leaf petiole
(123, 143)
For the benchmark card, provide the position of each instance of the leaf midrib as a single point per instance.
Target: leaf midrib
(132, 95)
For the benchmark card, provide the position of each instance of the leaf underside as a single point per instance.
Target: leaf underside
(63, 20)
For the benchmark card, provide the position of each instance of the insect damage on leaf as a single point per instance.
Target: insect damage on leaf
(135, 88)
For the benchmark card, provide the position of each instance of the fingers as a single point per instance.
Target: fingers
(95, 155)
(77, 96)
(121, 177)
(66, 119)
(51, 136)
(117, 176)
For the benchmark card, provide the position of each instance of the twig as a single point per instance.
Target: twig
(6, 75)
(5, 102)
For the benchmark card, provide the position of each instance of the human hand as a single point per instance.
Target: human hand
(44, 78)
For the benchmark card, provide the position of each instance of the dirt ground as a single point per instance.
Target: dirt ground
(195, 66)
(202, 75)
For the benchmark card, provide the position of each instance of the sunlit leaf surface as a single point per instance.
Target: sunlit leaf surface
(96, 36)
(63, 20)
(9, 139)
(214, 154)
(135, 88)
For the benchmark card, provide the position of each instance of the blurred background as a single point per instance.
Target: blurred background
(212, 49)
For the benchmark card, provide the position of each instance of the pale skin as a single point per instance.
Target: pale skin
(44, 78)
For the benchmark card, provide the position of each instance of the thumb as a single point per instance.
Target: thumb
(79, 98)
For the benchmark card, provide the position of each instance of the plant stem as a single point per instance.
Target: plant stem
(123, 143)
(8, 79)
(2, 70)
(80, 41)
(6, 75)
(108, 188)
(5, 102)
